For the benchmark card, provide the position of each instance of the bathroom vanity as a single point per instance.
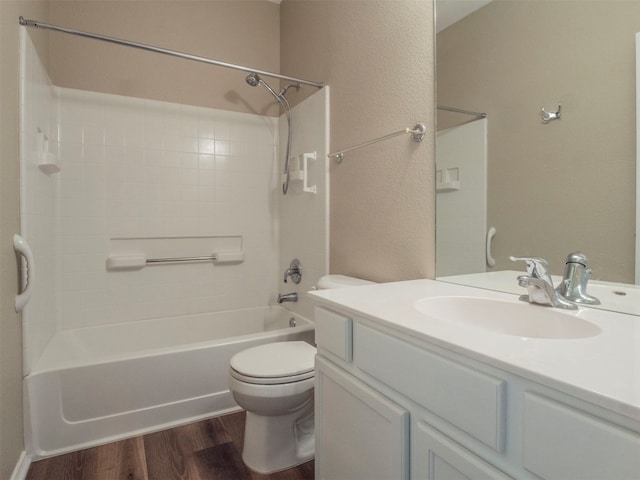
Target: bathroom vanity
(427, 380)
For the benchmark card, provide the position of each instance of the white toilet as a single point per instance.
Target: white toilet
(274, 384)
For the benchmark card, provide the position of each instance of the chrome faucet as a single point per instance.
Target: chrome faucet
(287, 297)
(539, 284)
(573, 286)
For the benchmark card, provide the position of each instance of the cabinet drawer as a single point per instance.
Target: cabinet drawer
(470, 400)
(560, 442)
(334, 333)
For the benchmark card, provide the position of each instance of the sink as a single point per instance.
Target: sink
(507, 317)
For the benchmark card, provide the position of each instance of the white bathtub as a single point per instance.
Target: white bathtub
(98, 384)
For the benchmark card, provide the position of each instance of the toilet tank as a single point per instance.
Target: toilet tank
(340, 281)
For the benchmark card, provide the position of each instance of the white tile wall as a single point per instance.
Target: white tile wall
(304, 230)
(140, 168)
(461, 215)
(37, 192)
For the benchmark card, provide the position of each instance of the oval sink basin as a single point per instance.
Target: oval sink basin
(509, 318)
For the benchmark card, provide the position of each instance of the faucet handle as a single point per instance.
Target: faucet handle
(577, 257)
(536, 267)
(294, 271)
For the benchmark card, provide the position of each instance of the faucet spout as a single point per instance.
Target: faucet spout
(287, 297)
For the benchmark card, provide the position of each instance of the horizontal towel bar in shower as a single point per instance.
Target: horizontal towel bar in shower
(35, 23)
(138, 261)
(417, 133)
(210, 258)
(464, 112)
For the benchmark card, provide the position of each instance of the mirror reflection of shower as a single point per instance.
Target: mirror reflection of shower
(254, 80)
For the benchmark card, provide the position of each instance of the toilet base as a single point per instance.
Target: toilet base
(279, 442)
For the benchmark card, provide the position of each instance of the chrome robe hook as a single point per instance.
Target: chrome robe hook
(548, 116)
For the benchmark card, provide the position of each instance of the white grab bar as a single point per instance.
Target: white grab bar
(491, 262)
(21, 247)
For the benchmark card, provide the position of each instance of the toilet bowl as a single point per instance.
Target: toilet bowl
(274, 384)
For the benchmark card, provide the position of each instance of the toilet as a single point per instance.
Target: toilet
(274, 384)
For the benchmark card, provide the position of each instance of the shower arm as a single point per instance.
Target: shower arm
(36, 24)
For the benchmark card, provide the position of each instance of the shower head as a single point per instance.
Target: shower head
(253, 79)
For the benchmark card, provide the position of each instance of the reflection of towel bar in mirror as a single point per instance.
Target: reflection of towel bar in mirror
(417, 134)
(464, 112)
(136, 262)
(476, 115)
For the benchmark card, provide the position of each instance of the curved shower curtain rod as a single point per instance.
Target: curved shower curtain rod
(151, 48)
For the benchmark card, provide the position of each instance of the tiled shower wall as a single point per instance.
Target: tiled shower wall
(133, 168)
(37, 196)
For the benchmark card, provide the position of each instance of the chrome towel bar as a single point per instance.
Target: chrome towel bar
(417, 133)
(139, 261)
(210, 258)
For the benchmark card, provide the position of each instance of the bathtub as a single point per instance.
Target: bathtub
(99, 384)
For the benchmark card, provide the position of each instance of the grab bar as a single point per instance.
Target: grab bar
(211, 258)
(28, 273)
(138, 261)
(417, 133)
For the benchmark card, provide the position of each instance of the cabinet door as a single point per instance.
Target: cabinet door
(440, 458)
(360, 434)
(562, 442)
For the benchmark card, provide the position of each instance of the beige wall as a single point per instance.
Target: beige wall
(11, 430)
(239, 32)
(377, 56)
(568, 185)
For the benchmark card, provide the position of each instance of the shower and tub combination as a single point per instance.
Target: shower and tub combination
(116, 342)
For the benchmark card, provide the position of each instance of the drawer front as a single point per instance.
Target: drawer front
(470, 400)
(560, 442)
(334, 333)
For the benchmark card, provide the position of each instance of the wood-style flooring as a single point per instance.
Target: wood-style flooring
(211, 450)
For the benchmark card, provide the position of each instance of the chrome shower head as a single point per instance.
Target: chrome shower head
(253, 79)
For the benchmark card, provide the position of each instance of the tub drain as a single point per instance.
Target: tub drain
(292, 322)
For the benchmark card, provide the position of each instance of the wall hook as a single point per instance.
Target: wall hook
(548, 116)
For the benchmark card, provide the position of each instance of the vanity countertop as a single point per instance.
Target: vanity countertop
(603, 369)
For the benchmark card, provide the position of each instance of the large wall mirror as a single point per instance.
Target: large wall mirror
(551, 185)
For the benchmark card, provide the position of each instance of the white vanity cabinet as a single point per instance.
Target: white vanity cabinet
(363, 435)
(390, 405)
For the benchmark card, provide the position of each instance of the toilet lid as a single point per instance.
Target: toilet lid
(275, 360)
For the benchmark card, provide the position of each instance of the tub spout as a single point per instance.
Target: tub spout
(287, 297)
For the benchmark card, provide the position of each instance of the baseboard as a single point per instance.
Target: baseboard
(22, 467)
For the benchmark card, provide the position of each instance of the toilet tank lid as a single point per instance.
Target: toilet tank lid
(340, 281)
(279, 359)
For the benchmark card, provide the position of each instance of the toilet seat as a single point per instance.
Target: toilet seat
(271, 380)
(274, 363)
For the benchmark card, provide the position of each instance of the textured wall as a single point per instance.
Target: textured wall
(239, 32)
(568, 185)
(11, 430)
(377, 56)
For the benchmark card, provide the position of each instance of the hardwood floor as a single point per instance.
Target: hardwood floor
(209, 450)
